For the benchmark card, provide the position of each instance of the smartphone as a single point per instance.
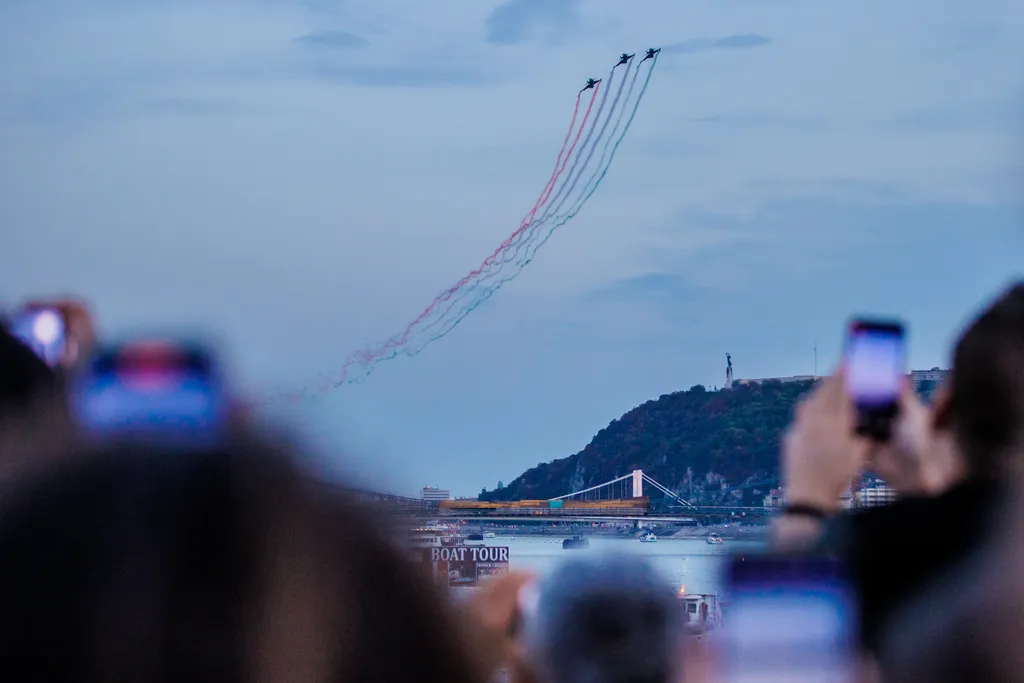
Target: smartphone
(792, 619)
(170, 392)
(44, 331)
(875, 360)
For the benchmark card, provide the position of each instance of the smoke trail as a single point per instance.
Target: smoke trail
(525, 238)
(555, 172)
(531, 252)
(510, 254)
(369, 358)
(552, 208)
(560, 195)
(618, 122)
(368, 355)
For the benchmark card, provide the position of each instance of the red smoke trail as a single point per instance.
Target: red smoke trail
(556, 171)
(367, 355)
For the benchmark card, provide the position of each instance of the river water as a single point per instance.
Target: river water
(692, 563)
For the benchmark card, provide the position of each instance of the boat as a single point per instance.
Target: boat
(575, 543)
(489, 534)
(474, 537)
(701, 612)
(714, 539)
(648, 537)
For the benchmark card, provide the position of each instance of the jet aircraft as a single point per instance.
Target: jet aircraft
(625, 58)
(650, 54)
(591, 82)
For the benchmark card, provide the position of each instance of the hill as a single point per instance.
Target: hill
(697, 442)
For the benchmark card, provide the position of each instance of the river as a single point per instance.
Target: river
(692, 563)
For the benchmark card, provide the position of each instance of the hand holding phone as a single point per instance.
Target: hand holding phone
(875, 364)
(42, 329)
(162, 391)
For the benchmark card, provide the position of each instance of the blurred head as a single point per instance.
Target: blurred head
(985, 407)
(605, 619)
(130, 564)
(24, 377)
(34, 425)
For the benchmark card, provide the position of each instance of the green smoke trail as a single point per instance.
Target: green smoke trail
(490, 292)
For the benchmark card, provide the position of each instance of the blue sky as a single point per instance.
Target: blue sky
(300, 178)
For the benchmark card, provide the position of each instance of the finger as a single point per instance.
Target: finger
(497, 602)
(833, 391)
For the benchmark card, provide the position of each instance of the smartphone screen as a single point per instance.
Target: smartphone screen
(875, 361)
(163, 390)
(792, 620)
(42, 330)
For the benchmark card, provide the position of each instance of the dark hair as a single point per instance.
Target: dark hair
(24, 377)
(133, 564)
(986, 406)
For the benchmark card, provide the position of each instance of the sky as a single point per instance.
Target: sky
(298, 178)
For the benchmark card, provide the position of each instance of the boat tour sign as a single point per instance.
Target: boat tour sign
(465, 565)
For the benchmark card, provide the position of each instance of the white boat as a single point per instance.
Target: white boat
(714, 539)
(648, 538)
(489, 534)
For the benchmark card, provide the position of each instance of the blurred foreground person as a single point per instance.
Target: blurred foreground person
(494, 610)
(897, 550)
(163, 564)
(967, 628)
(604, 619)
(34, 425)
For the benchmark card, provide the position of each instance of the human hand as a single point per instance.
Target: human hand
(494, 609)
(920, 458)
(80, 328)
(821, 453)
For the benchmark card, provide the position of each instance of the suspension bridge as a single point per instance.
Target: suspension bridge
(620, 499)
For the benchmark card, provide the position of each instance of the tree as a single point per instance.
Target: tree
(501, 484)
(678, 439)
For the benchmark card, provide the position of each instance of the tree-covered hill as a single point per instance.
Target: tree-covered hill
(698, 443)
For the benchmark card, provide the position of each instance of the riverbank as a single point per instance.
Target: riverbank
(744, 532)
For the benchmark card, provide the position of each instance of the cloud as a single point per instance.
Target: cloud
(332, 39)
(652, 285)
(522, 21)
(740, 41)
(340, 198)
(401, 76)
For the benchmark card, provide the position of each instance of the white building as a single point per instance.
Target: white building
(875, 494)
(933, 375)
(432, 493)
(777, 498)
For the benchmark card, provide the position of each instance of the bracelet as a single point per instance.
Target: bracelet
(805, 511)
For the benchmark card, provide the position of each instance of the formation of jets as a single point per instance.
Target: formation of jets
(623, 59)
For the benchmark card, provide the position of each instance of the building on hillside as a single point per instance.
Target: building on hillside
(433, 493)
(762, 380)
(776, 498)
(936, 375)
(875, 494)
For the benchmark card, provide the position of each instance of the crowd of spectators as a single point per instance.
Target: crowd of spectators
(143, 554)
